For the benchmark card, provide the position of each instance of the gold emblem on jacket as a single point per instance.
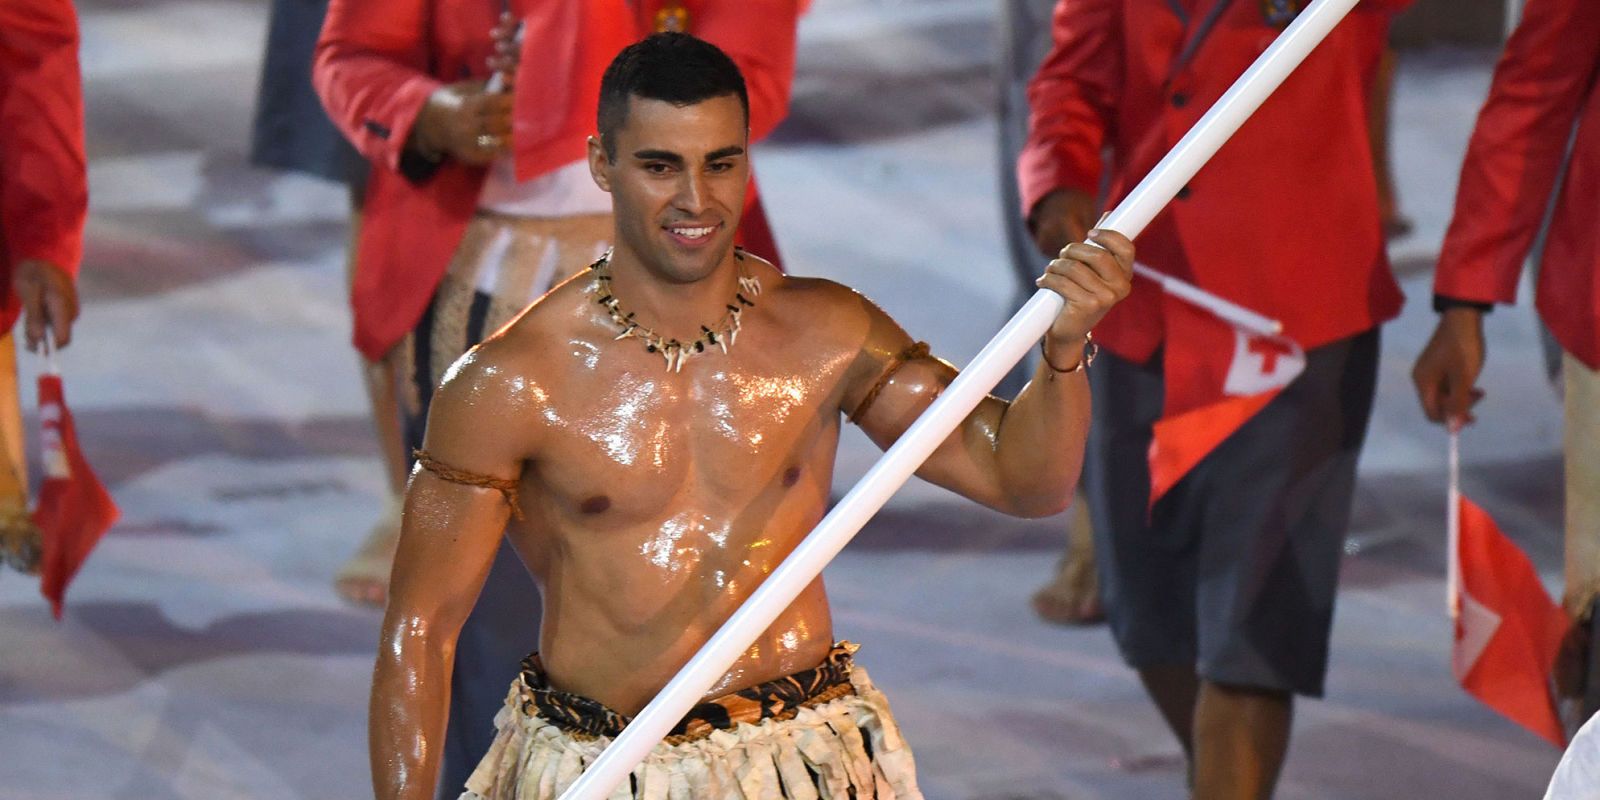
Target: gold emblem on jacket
(672, 17)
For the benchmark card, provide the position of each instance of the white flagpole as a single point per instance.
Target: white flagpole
(51, 365)
(1452, 516)
(1227, 310)
(896, 466)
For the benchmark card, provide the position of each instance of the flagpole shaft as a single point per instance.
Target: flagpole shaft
(1452, 516)
(1227, 310)
(901, 460)
(51, 365)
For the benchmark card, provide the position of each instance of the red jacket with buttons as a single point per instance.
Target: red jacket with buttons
(44, 191)
(1283, 219)
(378, 61)
(1547, 81)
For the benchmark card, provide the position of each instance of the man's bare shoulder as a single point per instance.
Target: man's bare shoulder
(502, 384)
(825, 309)
(485, 394)
(830, 316)
(831, 311)
(526, 343)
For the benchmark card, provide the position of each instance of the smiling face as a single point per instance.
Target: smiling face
(677, 183)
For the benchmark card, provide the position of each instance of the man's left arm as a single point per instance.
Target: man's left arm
(1516, 150)
(1022, 457)
(759, 35)
(1510, 170)
(44, 193)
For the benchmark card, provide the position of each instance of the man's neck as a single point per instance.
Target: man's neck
(674, 309)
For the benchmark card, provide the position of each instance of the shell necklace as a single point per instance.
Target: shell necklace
(723, 334)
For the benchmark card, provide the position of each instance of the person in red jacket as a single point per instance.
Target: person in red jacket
(1221, 593)
(480, 200)
(44, 197)
(1546, 92)
(407, 87)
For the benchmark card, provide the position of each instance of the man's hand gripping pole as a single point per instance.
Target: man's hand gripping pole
(1008, 347)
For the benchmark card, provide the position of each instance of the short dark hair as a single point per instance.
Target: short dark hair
(673, 67)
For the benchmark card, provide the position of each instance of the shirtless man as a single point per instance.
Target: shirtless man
(660, 431)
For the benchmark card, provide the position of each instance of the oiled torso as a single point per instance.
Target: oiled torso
(657, 501)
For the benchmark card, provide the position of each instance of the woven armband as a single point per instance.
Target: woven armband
(506, 488)
(916, 351)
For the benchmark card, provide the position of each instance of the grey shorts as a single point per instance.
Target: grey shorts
(1234, 571)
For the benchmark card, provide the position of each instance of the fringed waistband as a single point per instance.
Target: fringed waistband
(780, 699)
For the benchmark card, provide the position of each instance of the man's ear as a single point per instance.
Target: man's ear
(599, 164)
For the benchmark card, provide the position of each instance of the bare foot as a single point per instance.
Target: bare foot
(364, 579)
(21, 543)
(1072, 597)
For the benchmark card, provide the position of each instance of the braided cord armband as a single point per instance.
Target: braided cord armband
(506, 488)
(915, 351)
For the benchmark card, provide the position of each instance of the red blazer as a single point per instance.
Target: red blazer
(44, 189)
(1284, 218)
(378, 60)
(1547, 81)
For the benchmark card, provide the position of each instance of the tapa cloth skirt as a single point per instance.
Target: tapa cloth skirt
(821, 734)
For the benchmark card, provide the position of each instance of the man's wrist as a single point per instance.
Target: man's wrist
(1052, 203)
(419, 148)
(1073, 354)
(422, 156)
(425, 131)
(44, 272)
(1444, 302)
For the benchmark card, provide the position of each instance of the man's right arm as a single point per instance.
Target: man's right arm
(1072, 100)
(1507, 178)
(450, 532)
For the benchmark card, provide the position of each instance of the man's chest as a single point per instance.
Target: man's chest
(724, 432)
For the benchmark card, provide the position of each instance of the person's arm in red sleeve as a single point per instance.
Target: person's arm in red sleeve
(371, 71)
(759, 35)
(1507, 178)
(1517, 148)
(1073, 99)
(44, 194)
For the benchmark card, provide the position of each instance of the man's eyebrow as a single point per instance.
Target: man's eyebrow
(658, 155)
(674, 158)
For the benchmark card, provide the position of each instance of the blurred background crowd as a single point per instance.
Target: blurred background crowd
(219, 642)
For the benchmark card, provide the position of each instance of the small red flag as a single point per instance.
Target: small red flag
(1218, 376)
(74, 508)
(1507, 628)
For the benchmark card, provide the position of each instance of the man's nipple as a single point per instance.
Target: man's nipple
(595, 505)
(791, 476)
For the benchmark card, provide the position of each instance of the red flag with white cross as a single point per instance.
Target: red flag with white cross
(1507, 629)
(1218, 375)
(74, 508)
